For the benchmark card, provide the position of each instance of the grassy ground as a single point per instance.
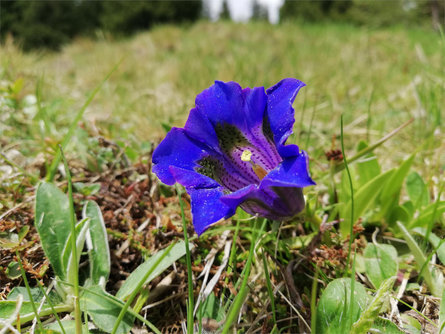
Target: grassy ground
(378, 80)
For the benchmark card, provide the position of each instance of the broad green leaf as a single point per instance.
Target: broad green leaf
(385, 326)
(36, 294)
(380, 263)
(80, 242)
(331, 315)
(409, 207)
(436, 242)
(97, 243)
(417, 190)
(410, 324)
(68, 325)
(211, 308)
(367, 167)
(400, 213)
(432, 276)
(389, 197)
(66, 253)
(104, 309)
(132, 281)
(8, 308)
(52, 220)
(430, 213)
(86, 189)
(364, 197)
(13, 270)
(70, 328)
(11, 240)
(368, 316)
(48, 331)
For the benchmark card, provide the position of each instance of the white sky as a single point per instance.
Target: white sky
(242, 10)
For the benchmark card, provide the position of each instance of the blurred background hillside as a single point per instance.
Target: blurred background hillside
(51, 24)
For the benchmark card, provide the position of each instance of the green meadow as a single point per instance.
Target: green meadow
(110, 101)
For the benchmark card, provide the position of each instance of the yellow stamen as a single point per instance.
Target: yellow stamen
(246, 156)
(257, 169)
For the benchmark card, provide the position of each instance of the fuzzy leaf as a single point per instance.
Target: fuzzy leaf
(380, 263)
(137, 275)
(97, 243)
(104, 309)
(333, 311)
(432, 276)
(364, 197)
(52, 220)
(417, 190)
(367, 318)
(367, 167)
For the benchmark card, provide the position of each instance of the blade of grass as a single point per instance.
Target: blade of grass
(141, 283)
(351, 188)
(372, 147)
(51, 305)
(28, 289)
(242, 294)
(134, 314)
(269, 289)
(73, 125)
(420, 259)
(351, 230)
(416, 311)
(369, 119)
(232, 258)
(188, 258)
(433, 217)
(75, 272)
(314, 302)
(20, 169)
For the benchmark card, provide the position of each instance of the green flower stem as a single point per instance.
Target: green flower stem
(75, 278)
(34, 308)
(242, 294)
(190, 303)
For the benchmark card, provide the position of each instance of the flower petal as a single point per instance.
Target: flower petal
(279, 108)
(255, 201)
(199, 127)
(220, 103)
(179, 150)
(292, 172)
(228, 103)
(192, 179)
(207, 208)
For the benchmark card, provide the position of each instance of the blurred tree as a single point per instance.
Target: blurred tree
(123, 17)
(315, 10)
(50, 24)
(384, 13)
(373, 13)
(47, 23)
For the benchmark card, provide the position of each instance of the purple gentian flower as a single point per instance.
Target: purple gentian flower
(231, 152)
